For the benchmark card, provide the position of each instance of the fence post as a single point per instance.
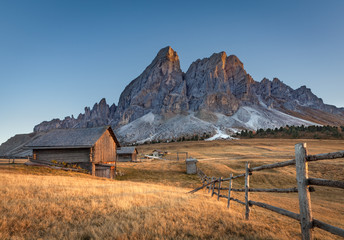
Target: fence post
(206, 179)
(306, 218)
(209, 187)
(219, 190)
(247, 185)
(212, 187)
(229, 190)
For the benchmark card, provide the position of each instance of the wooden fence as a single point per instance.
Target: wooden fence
(307, 222)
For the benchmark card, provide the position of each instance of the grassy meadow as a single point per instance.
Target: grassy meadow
(149, 200)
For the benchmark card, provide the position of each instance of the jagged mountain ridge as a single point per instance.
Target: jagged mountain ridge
(101, 114)
(215, 93)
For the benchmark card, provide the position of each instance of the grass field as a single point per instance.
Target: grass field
(149, 200)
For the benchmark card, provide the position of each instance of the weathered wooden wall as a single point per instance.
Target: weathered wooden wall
(103, 172)
(125, 157)
(134, 156)
(62, 155)
(105, 149)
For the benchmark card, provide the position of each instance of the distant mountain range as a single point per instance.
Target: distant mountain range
(215, 96)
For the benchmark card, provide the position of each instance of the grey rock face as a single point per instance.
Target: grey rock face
(159, 89)
(219, 84)
(276, 94)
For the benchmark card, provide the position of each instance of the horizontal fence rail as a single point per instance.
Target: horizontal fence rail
(276, 209)
(214, 186)
(273, 165)
(325, 156)
(327, 227)
(325, 182)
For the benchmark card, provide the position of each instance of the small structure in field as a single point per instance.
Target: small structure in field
(93, 149)
(159, 153)
(127, 154)
(191, 167)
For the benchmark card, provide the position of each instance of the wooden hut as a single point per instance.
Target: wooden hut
(93, 149)
(159, 153)
(127, 154)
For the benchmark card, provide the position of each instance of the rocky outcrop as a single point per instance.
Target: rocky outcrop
(276, 94)
(218, 84)
(101, 114)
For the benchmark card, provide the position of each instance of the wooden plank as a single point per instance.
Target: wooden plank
(112, 172)
(238, 201)
(303, 192)
(273, 165)
(68, 155)
(199, 188)
(329, 228)
(213, 188)
(93, 169)
(105, 149)
(207, 179)
(229, 191)
(325, 182)
(325, 156)
(247, 185)
(219, 189)
(238, 176)
(276, 209)
(209, 187)
(202, 180)
(276, 190)
(91, 154)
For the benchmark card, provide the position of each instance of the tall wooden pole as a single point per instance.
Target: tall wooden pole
(229, 191)
(247, 185)
(219, 189)
(303, 191)
(213, 188)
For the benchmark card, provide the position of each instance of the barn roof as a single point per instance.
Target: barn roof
(71, 138)
(126, 150)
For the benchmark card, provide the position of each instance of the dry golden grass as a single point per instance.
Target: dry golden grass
(150, 200)
(68, 207)
(7, 161)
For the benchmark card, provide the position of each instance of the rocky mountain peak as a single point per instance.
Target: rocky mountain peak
(102, 102)
(168, 53)
(217, 83)
(234, 61)
(159, 89)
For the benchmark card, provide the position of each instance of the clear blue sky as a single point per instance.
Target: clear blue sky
(56, 57)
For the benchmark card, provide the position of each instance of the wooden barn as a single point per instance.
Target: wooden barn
(93, 149)
(127, 154)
